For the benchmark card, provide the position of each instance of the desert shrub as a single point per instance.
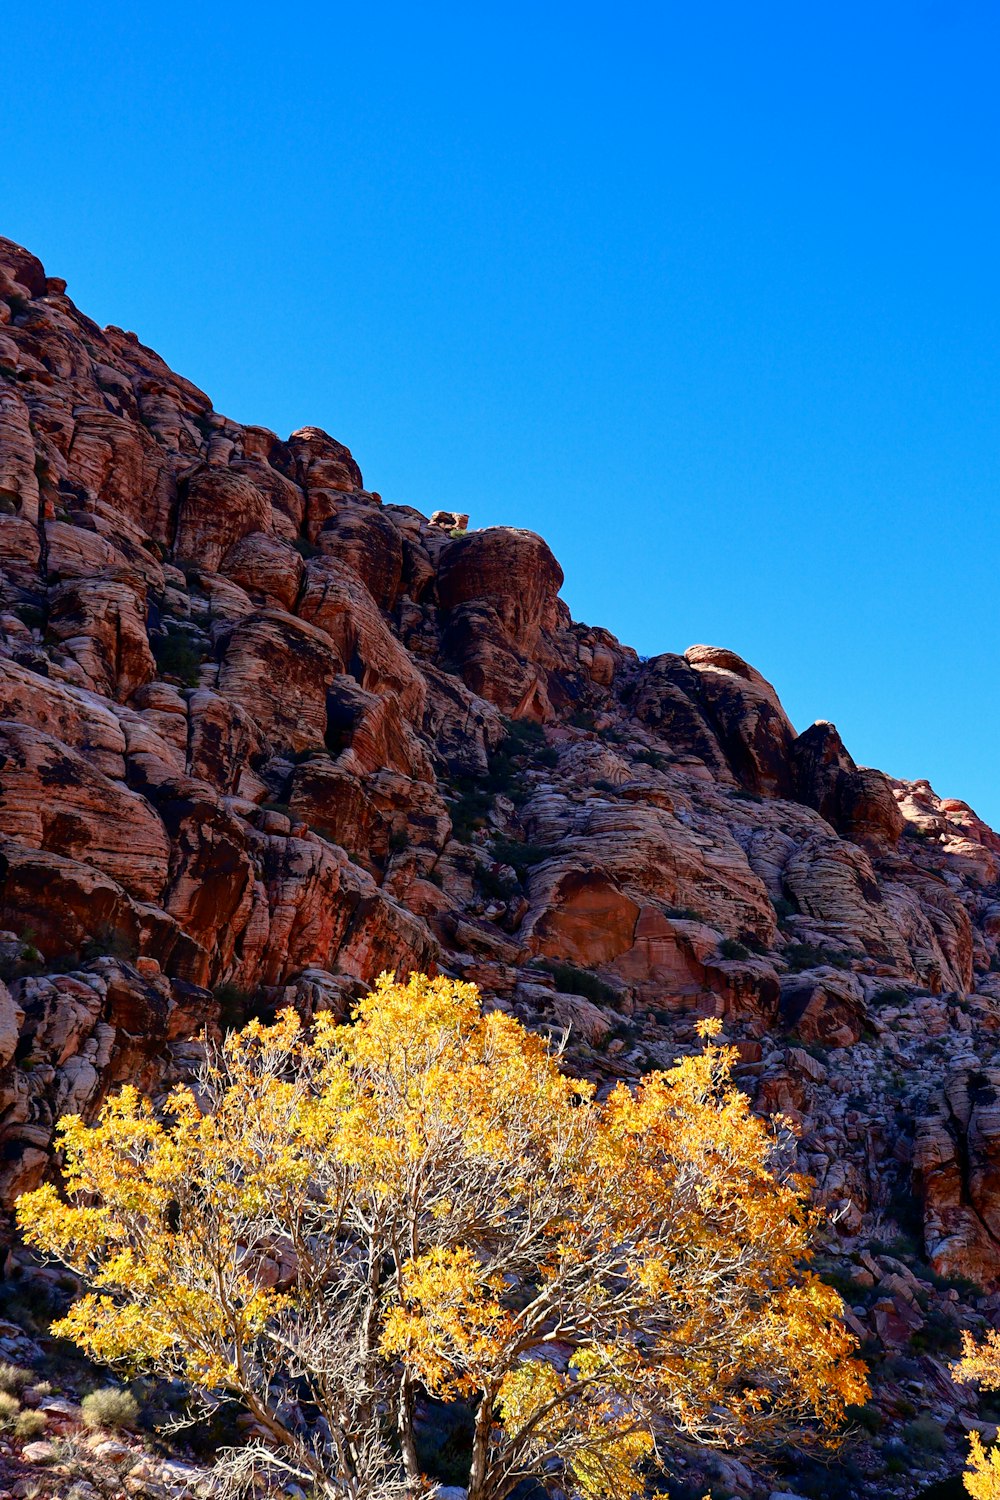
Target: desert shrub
(891, 995)
(732, 948)
(521, 857)
(523, 746)
(109, 942)
(14, 1379)
(867, 1417)
(10, 1409)
(305, 548)
(448, 1150)
(29, 1425)
(469, 812)
(111, 1407)
(939, 1335)
(654, 758)
(176, 657)
(573, 981)
(492, 883)
(924, 1432)
(808, 956)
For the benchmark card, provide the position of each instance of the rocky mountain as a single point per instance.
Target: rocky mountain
(263, 736)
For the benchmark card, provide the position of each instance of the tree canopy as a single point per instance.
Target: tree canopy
(980, 1363)
(335, 1219)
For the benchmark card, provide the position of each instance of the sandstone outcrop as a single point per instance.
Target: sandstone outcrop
(262, 736)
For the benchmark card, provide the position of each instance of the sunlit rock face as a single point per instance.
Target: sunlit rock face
(262, 736)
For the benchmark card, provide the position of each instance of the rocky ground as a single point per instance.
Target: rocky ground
(262, 736)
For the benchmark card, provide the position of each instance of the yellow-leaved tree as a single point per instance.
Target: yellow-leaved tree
(980, 1363)
(336, 1219)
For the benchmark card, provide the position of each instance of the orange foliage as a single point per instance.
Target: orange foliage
(455, 1212)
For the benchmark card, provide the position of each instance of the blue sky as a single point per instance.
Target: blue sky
(705, 293)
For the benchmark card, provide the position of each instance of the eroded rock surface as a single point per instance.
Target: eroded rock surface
(262, 736)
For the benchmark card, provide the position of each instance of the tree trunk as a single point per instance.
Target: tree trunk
(479, 1474)
(404, 1426)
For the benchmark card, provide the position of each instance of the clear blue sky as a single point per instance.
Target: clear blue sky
(706, 293)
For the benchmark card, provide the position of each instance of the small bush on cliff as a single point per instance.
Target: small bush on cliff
(444, 1198)
(177, 657)
(237, 1006)
(493, 883)
(573, 981)
(808, 956)
(521, 857)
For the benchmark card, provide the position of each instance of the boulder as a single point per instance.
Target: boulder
(748, 720)
(216, 508)
(859, 803)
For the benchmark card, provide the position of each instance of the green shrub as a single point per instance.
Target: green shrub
(923, 1432)
(939, 1335)
(730, 948)
(889, 996)
(570, 980)
(177, 657)
(469, 812)
(869, 1418)
(474, 795)
(492, 883)
(14, 1379)
(520, 856)
(111, 1408)
(654, 758)
(109, 942)
(305, 548)
(808, 956)
(30, 1424)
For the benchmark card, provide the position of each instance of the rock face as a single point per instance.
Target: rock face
(262, 736)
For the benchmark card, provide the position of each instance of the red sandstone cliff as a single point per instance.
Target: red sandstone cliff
(262, 736)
